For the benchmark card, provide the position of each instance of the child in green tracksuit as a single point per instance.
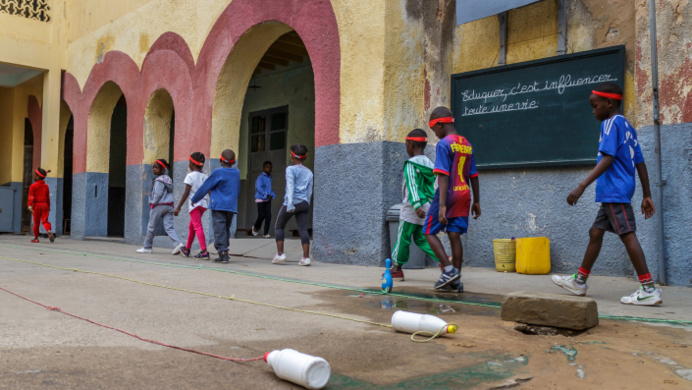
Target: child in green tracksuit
(419, 189)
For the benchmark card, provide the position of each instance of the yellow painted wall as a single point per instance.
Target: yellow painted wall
(6, 134)
(532, 34)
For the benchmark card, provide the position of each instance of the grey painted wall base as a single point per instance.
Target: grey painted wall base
(89, 204)
(55, 217)
(13, 190)
(354, 186)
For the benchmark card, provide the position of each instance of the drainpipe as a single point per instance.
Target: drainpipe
(658, 197)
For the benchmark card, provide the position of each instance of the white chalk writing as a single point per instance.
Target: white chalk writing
(561, 84)
(481, 109)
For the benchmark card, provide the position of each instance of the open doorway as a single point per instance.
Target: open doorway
(117, 165)
(27, 178)
(67, 178)
(278, 111)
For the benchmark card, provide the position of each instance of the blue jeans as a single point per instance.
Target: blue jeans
(221, 222)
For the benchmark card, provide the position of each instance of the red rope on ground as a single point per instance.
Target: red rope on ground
(53, 308)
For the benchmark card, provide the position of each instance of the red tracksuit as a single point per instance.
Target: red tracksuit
(39, 200)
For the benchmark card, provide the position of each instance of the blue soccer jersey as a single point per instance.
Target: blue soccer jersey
(618, 139)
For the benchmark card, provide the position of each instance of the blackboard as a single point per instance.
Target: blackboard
(535, 113)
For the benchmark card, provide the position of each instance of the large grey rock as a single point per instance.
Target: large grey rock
(562, 311)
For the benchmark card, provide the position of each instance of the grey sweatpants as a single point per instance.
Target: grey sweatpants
(164, 212)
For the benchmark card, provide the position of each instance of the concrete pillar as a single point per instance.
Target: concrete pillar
(50, 144)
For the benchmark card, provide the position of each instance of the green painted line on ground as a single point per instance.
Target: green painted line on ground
(420, 297)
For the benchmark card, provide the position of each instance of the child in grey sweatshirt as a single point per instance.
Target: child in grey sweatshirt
(161, 202)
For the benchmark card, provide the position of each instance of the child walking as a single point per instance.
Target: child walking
(223, 185)
(619, 155)
(161, 202)
(455, 168)
(39, 204)
(263, 197)
(418, 191)
(193, 181)
(296, 202)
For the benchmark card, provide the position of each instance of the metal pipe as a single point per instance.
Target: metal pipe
(660, 182)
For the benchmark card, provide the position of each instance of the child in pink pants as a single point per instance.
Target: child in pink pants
(193, 181)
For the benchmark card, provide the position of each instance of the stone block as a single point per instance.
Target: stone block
(562, 311)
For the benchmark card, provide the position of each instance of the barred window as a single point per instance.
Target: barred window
(30, 9)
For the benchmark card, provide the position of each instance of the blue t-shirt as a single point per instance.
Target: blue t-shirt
(454, 158)
(618, 139)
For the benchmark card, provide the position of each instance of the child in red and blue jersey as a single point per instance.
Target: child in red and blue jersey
(457, 178)
(619, 156)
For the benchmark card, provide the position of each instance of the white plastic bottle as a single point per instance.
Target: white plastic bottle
(408, 322)
(308, 371)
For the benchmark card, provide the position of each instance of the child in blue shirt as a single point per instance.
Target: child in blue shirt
(296, 203)
(263, 197)
(223, 186)
(619, 155)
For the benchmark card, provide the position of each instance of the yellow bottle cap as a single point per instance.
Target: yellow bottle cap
(452, 328)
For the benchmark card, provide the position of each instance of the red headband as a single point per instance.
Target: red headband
(162, 164)
(447, 119)
(39, 173)
(297, 156)
(417, 139)
(607, 95)
(231, 162)
(199, 164)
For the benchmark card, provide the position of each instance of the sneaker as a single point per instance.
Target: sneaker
(570, 284)
(144, 250)
(304, 261)
(643, 298)
(177, 249)
(446, 278)
(51, 236)
(279, 258)
(223, 258)
(185, 252)
(254, 232)
(35, 240)
(267, 236)
(457, 286)
(204, 255)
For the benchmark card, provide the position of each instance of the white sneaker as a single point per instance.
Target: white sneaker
(144, 250)
(267, 236)
(570, 284)
(254, 232)
(643, 298)
(279, 258)
(304, 261)
(177, 248)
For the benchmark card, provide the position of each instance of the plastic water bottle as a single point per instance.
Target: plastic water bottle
(408, 322)
(308, 371)
(387, 277)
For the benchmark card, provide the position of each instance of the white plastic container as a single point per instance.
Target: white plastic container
(308, 371)
(408, 322)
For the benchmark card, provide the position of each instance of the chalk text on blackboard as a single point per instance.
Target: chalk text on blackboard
(565, 81)
(528, 104)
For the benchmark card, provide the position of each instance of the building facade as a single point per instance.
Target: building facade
(96, 91)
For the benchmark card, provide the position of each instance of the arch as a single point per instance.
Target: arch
(99, 127)
(65, 116)
(233, 81)
(157, 126)
(315, 23)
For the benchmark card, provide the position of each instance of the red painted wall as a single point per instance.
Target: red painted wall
(170, 65)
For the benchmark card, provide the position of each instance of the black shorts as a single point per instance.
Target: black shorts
(616, 217)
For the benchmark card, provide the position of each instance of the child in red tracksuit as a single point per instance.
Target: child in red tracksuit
(39, 204)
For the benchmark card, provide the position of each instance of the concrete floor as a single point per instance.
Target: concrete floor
(47, 349)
